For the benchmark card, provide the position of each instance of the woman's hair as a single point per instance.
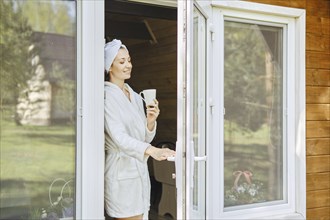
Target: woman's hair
(106, 76)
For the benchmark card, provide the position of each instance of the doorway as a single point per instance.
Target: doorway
(150, 34)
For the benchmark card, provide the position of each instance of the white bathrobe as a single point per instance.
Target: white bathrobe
(127, 183)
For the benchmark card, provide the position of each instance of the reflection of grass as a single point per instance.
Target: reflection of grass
(249, 151)
(241, 136)
(241, 157)
(32, 156)
(246, 150)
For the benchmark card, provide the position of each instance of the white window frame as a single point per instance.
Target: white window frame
(90, 110)
(294, 19)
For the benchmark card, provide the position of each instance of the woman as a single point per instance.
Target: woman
(128, 132)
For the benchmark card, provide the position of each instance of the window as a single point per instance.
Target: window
(259, 53)
(38, 109)
(198, 112)
(255, 113)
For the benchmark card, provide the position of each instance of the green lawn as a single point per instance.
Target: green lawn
(255, 152)
(31, 158)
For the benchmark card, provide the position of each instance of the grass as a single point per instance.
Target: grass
(251, 151)
(31, 158)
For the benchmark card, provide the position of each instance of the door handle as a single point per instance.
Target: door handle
(202, 158)
(171, 159)
(197, 159)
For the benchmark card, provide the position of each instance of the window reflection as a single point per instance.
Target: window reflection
(198, 112)
(254, 119)
(38, 105)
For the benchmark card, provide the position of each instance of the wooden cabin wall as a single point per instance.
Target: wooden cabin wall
(318, 108)
(317, 103)
(155, 66)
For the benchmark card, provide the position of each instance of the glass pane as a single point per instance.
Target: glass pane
(38, 109)
(195, 107)
(198, 111)
(254, 121)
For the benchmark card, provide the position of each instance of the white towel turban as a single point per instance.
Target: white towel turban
(110, 52)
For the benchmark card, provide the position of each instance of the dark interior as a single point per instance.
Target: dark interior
(150, 34)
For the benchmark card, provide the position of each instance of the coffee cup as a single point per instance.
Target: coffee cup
(149, 95)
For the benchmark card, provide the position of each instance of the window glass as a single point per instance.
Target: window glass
(198, 112)
(196, 135)
(254, 120)
(38, 109)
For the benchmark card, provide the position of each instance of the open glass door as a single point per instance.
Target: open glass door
(196, 123)
(191, 154)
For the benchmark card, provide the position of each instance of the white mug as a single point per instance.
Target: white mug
(149, 95)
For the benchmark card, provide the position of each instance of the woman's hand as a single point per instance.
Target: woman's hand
(152, 114)
(159, 153)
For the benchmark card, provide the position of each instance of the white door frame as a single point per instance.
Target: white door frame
(90, 105)
(181, 111)
(185, 158)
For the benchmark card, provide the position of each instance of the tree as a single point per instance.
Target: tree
(15, 39)
(244, 89)
(49, 16)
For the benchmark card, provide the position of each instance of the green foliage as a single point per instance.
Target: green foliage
(48, 16)
(15, 39)
(18, 20)
(35, 213)
(245, 194)
(64, 99)
(244, 77)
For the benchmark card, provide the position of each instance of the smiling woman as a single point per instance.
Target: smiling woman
(37, 118)
(128, 134)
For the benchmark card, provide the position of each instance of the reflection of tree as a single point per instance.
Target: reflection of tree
(18, 19)
(15, 36)
(49, 96)
(275, 123)
(244, 79)
(48, 16)
(254, 103)
(34, 101)
(63, 90)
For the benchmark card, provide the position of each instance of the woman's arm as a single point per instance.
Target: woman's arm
(159, 153)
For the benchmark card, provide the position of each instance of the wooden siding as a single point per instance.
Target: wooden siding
(155, 66)
(317, 103)
(318, 109)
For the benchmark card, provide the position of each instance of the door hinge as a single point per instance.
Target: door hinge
(212, 32)
(80, 112)
(184, 25)
(211, 105)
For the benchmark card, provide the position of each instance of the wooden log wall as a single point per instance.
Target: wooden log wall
(317, 103)
(155, 66)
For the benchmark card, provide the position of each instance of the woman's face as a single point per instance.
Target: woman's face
(121, 67)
